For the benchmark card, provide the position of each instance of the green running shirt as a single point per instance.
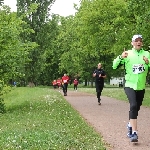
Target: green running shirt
(135, 68)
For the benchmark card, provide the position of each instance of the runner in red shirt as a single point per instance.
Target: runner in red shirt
(75, 82)
(65, 80)
(54, 84)
(59, 83)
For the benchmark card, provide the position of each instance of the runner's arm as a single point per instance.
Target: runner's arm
(118, 62)
(149, 60)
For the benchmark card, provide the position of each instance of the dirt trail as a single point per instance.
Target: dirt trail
(110, 120)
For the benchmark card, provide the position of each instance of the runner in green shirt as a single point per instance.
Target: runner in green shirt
(136, 62)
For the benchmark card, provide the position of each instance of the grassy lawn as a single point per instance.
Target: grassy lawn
(40, 119)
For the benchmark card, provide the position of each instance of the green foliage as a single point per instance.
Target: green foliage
(90, 36)
(2, 105)
(139, 16)
(37, 46)
(14, 53)
(51, 54)
(37, 18)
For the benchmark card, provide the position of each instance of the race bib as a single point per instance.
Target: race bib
(65, 81)
(138, 68)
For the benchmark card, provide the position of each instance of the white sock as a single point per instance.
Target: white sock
(129, 124)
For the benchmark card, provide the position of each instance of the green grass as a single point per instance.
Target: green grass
(117, 93)
(40, 119)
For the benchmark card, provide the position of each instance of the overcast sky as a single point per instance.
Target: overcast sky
(61, 7)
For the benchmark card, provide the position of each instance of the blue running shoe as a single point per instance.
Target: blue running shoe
(129, 134)
(134, 137)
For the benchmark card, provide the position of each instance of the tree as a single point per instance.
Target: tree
(14, 53)
(35, 20)
(52, 52)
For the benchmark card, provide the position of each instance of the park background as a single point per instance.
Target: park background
(37, 46)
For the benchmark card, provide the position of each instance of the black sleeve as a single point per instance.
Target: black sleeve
(95, 71)
(103, 73)
(120, 64)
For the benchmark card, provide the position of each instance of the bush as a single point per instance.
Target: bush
(2, 105)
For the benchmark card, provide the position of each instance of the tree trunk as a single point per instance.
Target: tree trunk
(85, 82)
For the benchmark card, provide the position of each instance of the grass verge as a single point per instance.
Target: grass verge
(40, 118)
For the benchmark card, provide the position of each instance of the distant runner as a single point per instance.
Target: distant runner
(99, 75)
(75, 82)
(65, 81)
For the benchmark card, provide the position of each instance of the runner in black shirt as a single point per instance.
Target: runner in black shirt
(99, 75)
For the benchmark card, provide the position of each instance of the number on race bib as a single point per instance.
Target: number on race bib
(65, 81)
(138, 68)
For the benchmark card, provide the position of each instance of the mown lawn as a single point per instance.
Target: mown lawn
(40, 119)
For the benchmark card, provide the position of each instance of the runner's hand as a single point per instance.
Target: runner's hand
(124, 54)
(146, 60)
(94, 74)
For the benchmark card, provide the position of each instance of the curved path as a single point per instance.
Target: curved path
(110, 120)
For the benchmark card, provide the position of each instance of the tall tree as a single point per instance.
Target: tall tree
(14, 52)
(36, 21)
(52, 52)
